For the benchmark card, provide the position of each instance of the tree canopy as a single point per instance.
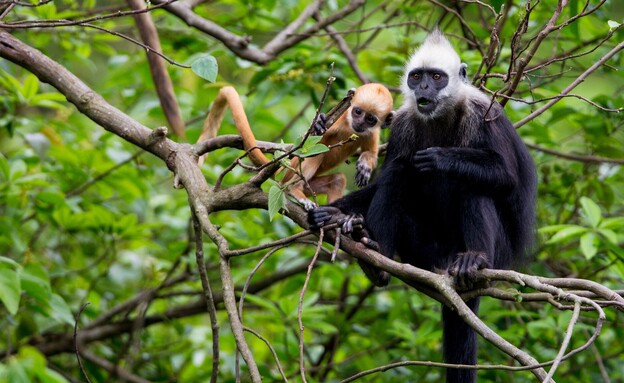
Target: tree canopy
(122, 260)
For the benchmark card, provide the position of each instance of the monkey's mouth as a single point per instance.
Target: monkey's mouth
(423, 101)
(359, 128)
(425, 105)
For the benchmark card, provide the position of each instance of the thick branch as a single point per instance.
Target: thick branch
(84, 98)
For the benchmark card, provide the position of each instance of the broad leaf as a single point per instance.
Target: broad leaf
(588, 245)
(567, 232)
(10, 289)
(591, 211)
(206, 67)
(277, 200)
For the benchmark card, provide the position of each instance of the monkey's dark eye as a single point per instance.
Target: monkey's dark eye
(436, 76)
(416, 76)
(357, 111)
(372, 120)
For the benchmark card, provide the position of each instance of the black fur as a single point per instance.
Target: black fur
(456, 192)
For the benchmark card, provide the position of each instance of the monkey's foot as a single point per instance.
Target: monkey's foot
(465, 268)
(321, 125)
(363, 173)
(306, 203)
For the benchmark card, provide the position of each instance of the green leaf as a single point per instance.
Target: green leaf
(312, 151)
(206, 67)
(591, 211)
(4, 167)
(31, 86)
(612, 223)
(34, 281)
(51, 197)
(567, 232)
(10, 289)
(311, 147)
(610, 235)
(16, 372)
(50, 376)
(277, 200)
(60, 310)
(263, 303)
(613, 25)
(8, 262)
(588, 245)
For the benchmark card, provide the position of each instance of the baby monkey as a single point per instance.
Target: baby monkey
(371, 109)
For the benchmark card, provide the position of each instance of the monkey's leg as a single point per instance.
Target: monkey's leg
(481, 227)
(296, 191)
(332, 184)
(308, 169)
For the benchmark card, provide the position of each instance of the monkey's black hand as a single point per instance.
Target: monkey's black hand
(465, 268)
(349, 223)
(324, 215)
(429, 159)
(362, 173)
(321, 125)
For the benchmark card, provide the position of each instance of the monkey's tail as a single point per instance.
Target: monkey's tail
(460, 345)
(229, 97)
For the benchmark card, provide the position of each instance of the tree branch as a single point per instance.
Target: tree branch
(162, 81)
(572, 85)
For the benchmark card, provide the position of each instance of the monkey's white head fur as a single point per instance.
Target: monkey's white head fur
(436, 52)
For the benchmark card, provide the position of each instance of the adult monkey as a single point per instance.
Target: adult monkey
(456, 191)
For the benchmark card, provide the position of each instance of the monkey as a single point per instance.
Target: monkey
(370, 109)
(456, 192)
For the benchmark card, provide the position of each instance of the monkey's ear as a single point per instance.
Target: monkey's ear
(388, 121)
(463, 73)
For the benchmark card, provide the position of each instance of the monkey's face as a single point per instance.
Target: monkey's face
(361, 120)
(426, 86)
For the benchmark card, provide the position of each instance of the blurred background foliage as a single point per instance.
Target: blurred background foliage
(86, 218)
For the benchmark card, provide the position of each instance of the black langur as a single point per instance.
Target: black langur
(456, 191)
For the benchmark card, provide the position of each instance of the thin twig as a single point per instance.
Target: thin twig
(300, 308)
(76, 343)
(208, 297)
(277, 362)
(80, 189)
(566, 341)
(569, 88)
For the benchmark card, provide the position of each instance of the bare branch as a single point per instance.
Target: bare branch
(300, 307)
(566, 341)
(85, 99)
(162, 81)
(572, 85)
(113, 369)
(208, 297)
(77, 344)
(577, 157)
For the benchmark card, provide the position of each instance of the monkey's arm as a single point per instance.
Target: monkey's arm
(477, 167)
(368, 159)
